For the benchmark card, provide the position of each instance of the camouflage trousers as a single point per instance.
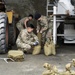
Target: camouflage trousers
(23, 46)
(46, 35)
(19, 26)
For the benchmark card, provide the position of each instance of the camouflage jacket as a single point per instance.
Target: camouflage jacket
(27, 38)
(21, 22)
(43, 24)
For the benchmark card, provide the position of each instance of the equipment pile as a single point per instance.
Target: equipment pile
(53, 70)
(16, 55)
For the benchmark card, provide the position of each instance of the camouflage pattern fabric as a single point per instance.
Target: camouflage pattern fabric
(46, 25)
(20, 24)
(25, 40)
(16, 55)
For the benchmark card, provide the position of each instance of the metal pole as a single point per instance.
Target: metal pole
(47, 8)
(54, 26)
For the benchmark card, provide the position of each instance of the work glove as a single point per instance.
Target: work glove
(36, 43)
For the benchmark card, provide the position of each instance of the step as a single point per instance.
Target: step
(50, 4)
(49, 10)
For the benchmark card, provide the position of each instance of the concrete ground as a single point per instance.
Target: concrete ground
(33, 65)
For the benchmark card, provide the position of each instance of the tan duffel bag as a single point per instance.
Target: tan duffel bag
(36, 50)
(16, 55)
(53, 48)
(39, 35)
(47, 49)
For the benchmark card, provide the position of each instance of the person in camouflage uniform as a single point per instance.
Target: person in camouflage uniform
(22, 24)
(26, 39)
(44, 26)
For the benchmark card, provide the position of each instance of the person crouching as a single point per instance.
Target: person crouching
(27, 39)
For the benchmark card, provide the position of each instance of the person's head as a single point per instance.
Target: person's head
(30, 16)
(37, 16)
(30, 28)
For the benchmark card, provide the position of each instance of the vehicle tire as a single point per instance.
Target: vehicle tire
(3, 33)
(12, 32)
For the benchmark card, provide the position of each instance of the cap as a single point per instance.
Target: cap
(37, 16)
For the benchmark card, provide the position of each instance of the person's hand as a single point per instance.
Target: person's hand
(37, 42)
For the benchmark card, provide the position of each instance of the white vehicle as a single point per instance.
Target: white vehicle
(63, 20)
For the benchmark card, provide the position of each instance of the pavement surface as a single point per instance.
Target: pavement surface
(33, 65)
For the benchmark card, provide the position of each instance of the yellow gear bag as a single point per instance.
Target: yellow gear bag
(49, 48)
(36, 50)
(16, 55)
(53, 48)
(39, 35)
